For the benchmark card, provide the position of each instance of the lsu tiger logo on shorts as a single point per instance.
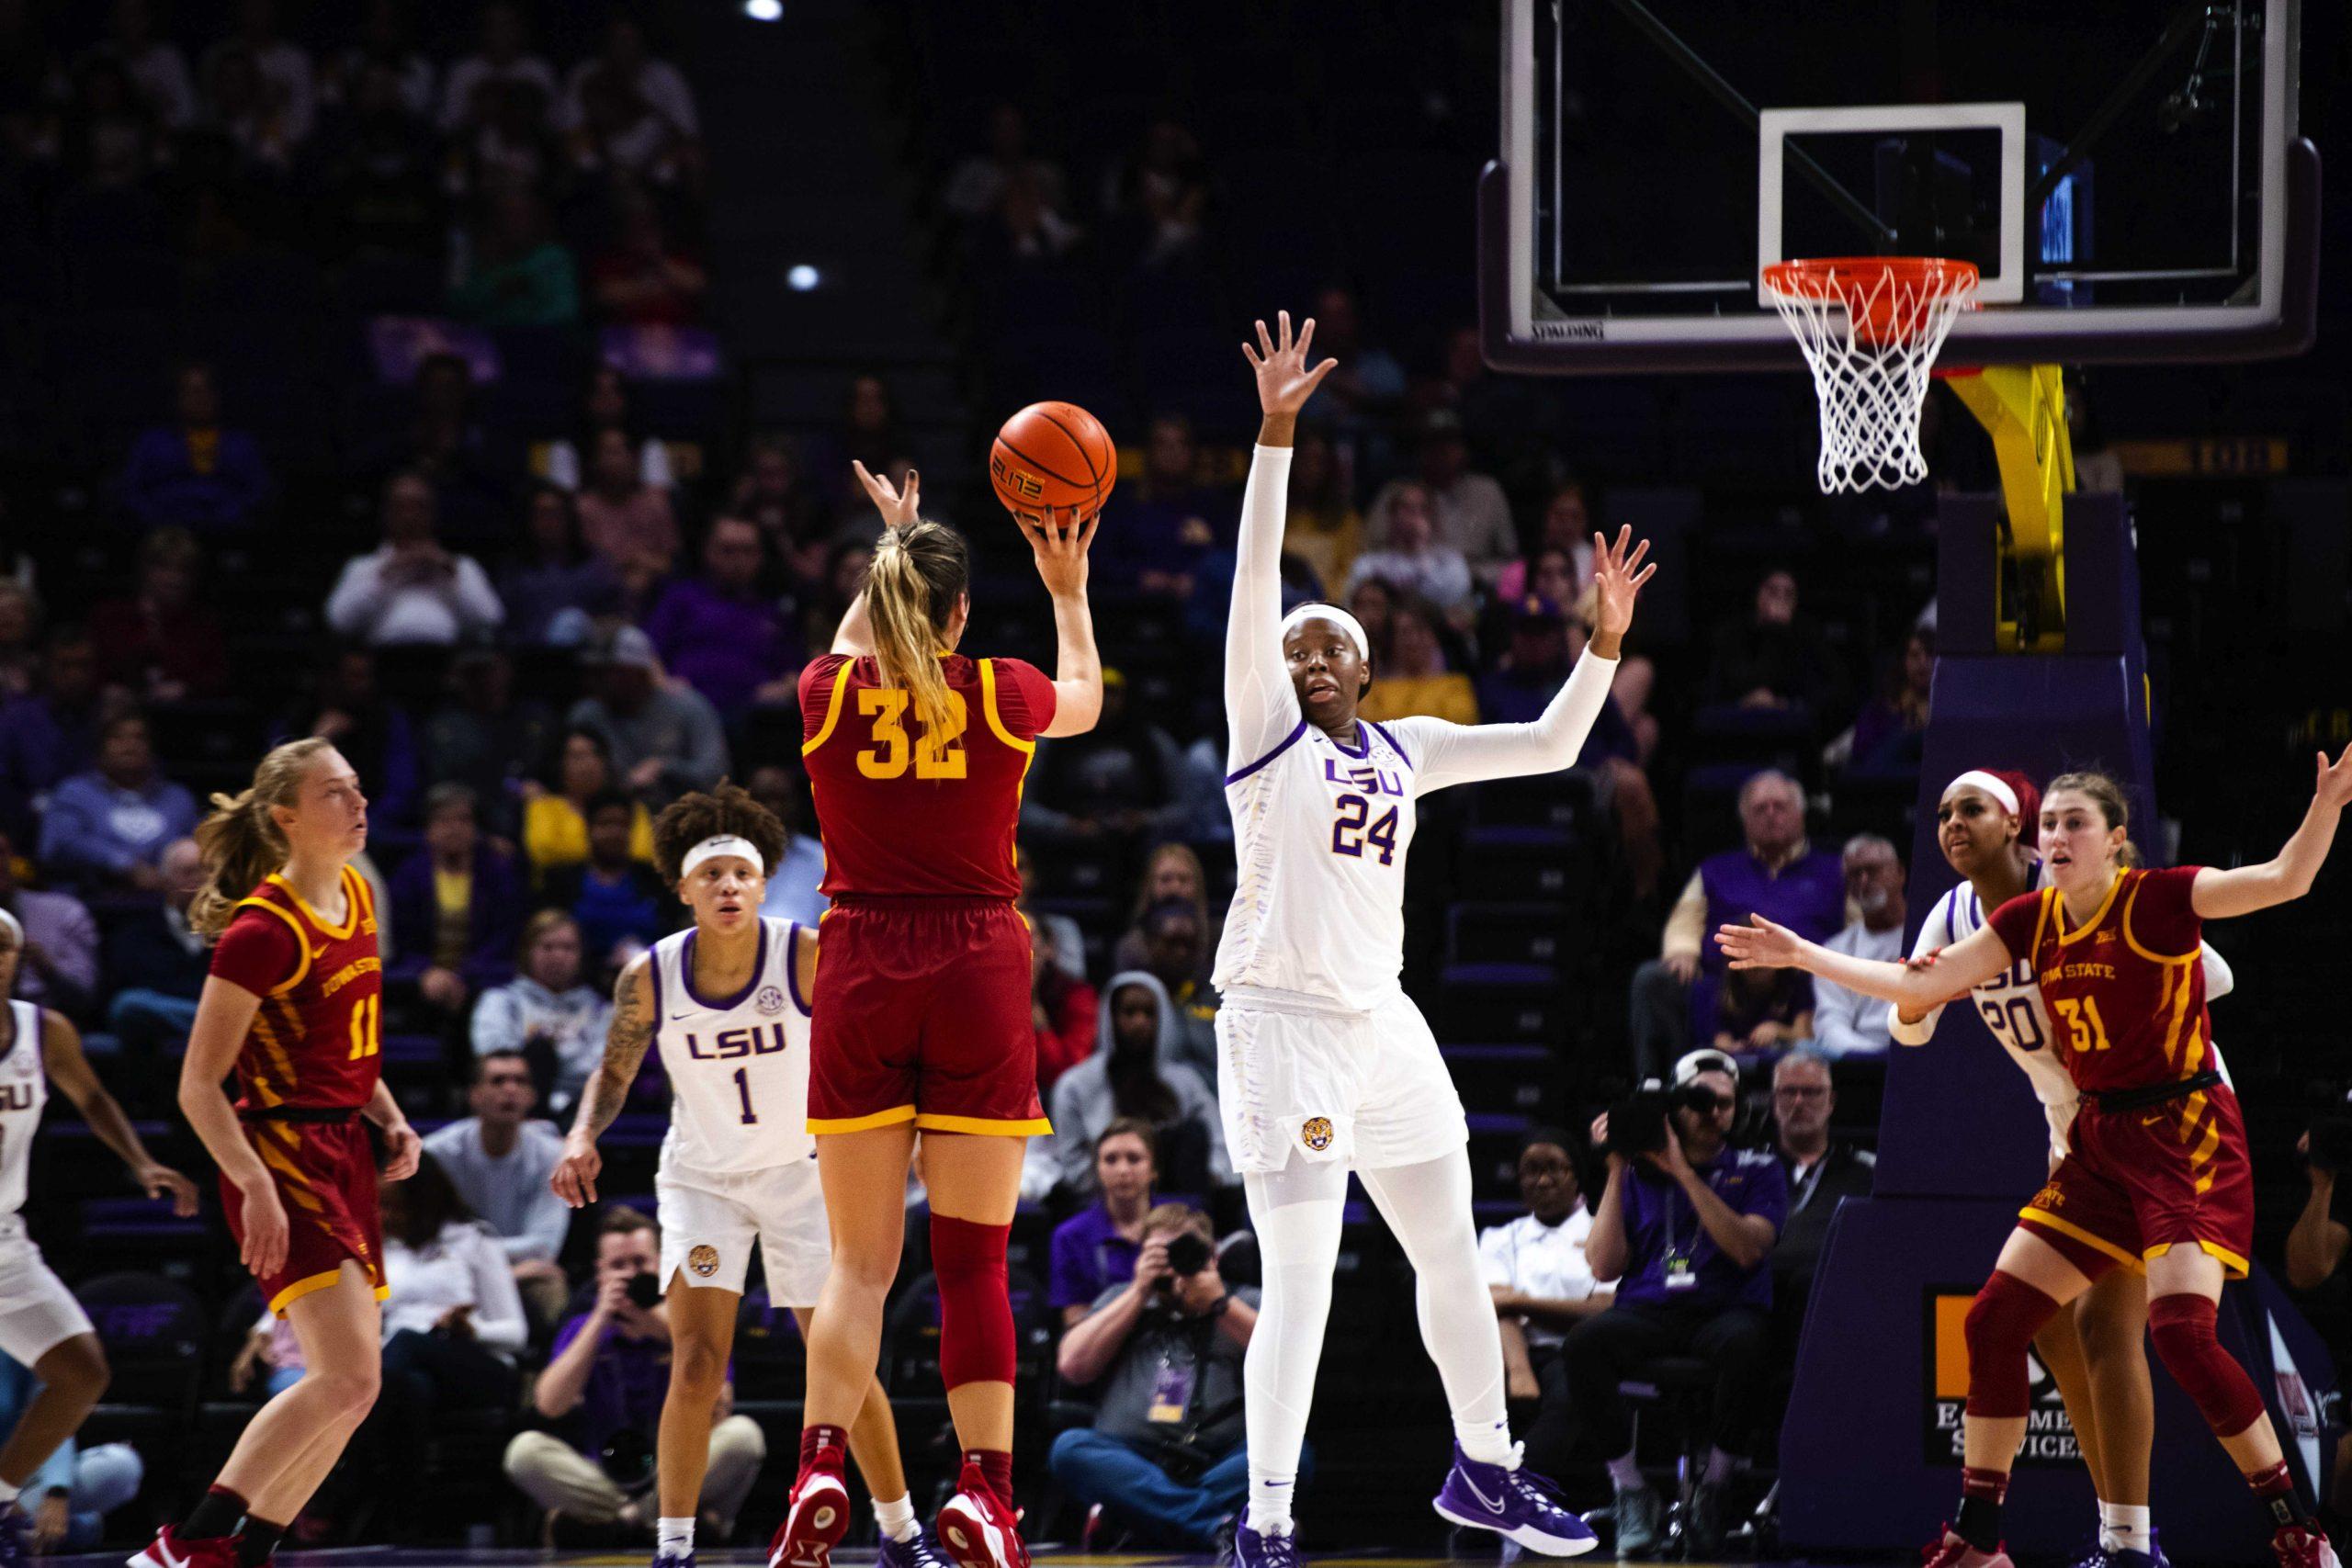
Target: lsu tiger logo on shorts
(2049, 1197)
(704, 1260)
(1316, 1133)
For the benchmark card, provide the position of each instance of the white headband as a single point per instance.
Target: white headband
(1977, 778)
(723, 844)
(1314, 611)
(9, 923)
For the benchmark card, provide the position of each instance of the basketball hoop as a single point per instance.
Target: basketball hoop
(1871, 327)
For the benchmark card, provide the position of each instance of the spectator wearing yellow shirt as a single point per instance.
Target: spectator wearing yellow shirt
(555, 813)
(1414, 680)
(1324, 529)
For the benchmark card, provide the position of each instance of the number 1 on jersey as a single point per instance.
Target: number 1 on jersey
(743, 1090)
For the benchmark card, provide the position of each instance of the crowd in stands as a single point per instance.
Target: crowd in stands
(541, 617)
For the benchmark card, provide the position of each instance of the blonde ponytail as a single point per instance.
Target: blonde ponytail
(918, 573)
(240, 841)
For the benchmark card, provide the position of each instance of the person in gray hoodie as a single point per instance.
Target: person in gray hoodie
(1134, 1073)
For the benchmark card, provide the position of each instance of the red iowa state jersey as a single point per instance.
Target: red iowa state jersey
(2125, 991)
(907, 812)
(318, 1039)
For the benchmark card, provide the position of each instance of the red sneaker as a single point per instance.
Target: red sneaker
(813, 1524)
(1953, 1551)
(978, 1528)
(2302, 1546)
(168, 1550)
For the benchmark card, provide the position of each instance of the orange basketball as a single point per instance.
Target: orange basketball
(1052, 455)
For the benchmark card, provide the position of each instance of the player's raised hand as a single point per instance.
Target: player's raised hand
(1617, 578)
(1284, 380)
(2336, 780)
(1060, 539)
(899, 508)
(1759, 944)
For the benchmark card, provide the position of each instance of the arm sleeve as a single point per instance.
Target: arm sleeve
(357, 598)
(1024, 697)
(2160, 918)
(498, 1305)
(257, 951)
(817, 689)
(2219, 979)
(1261, 708)
(1458, 753)
(1494, 1256)
(1934, 931)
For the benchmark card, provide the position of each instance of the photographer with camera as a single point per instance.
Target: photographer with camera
(601, 1395)
(1165, 1453)
(2323, 1232)
(1685, 1229)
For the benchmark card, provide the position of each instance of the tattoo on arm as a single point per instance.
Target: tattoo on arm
(626, 1039)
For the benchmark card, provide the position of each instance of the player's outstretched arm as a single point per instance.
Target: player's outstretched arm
(1965, 966)
(626, 1039)
(1456, 753)
(1058, 543)
(899, 508)
(63, 1060)
(2219, 893)
(1260, 707)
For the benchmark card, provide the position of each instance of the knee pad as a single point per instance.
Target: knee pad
(2182, 1326)
(2002, 1321)
(975, 1311)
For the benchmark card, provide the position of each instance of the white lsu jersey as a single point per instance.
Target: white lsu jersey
(1320, 835)
(2011, 1006)
(24, 1090)
(738, 1066)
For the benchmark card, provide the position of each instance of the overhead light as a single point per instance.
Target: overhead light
(800, 277)
(764, 10)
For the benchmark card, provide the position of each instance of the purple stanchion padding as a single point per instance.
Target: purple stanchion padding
(1868, 1455)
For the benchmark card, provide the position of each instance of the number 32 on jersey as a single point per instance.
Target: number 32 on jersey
(936, 755)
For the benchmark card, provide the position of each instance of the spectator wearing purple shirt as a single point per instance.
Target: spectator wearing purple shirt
(1686, 1234)
(106, 828)
(193, 473)
(61, 948)
(1096, 1247)
(603, 1391)
(718, 633)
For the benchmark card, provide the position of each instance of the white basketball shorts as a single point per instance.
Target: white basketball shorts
(709, 1222)
(38, 1314)
(1368, 1089)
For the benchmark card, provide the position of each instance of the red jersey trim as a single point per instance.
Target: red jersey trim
(2098, 916)
(301, 937)
(988, 704)
(2134, 941)
(832, 708)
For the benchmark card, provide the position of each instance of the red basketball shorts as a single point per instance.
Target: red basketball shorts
(326, 1181)
(2137, 1183)
(921, 1014)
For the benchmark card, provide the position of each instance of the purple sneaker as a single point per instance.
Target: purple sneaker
(916, 1553)
(1514, 1504)
(1252, 1550)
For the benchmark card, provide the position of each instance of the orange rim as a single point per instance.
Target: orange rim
(1872, 287)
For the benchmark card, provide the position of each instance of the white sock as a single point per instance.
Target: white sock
(673, 1538)
(1489, 1442)
(1625, 1472)
(1269, 1505)
(897, 1518)
(2122, 1528)
(1297, 1213)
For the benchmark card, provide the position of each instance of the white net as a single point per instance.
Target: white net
(1871, 330)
